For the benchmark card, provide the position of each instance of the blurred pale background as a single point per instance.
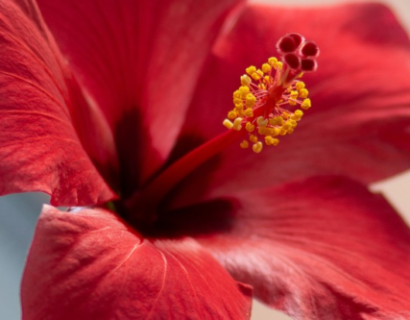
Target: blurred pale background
(18, 213)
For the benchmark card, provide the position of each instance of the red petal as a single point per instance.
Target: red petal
(141, 61)
(39, 147)
(89, 265)
(359, 123)
(323, 248)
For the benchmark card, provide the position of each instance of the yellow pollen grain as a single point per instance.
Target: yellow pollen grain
(276, 121)
(270, 141)
(249, 112)
(253, 138)
(228, 124)
(244, 144)
(273, 62)
(279, 65)
(237, 124)
(237, 101)
(236, 94)
(262, 122)
(249, 127)
(303, 93)
(245, 80)
(300, 85)
(298, 113)
(232, 114)
(239, 106)
(283, 131)
(257, 147)
(262, 131)
(287, 125)
(244, 90)
(306, 104)
(256, 76)
(250, 100)
(266, 68)
(250, 70)
(275, 131)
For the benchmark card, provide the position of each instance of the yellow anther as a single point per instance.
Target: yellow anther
(239, 106)
(306, 104)
(249, 127)
(300, 85)
(275, 131)
(237, 124)
(262, 122)
(245, 80)
(303, 93)
(244, 144)
(270, 141)
(237, 94)
(244, 90)
(294, 94)
(257, 147)
(268, 131)
(253, 138)
(257, 75)
(298, 114)
(237, 101)
(273, 62)
(287, 125)
(283, 131)
(285, 115)
(232, 114)
(276, 121)
(260, 106)
(262, 131)
(228, 124)
(266, 68)
(250, 100)
(249, 112)
(250, 70)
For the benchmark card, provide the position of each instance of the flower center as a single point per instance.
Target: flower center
(262, 110)
(267, 103)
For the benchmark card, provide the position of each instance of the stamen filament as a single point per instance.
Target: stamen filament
(152, 194)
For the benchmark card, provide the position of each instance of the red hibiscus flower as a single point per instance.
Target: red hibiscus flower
(102, 109)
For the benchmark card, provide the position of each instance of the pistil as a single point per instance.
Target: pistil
(266, 104)
(262, 112)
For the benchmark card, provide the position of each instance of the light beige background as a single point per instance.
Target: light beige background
(395, 189)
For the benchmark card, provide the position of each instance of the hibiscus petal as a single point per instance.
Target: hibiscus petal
(39, 147)
(321, 248)
(140, 60)
(89, 265)
(359, 124)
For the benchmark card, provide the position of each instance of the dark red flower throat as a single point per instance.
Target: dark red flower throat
(266, 107)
